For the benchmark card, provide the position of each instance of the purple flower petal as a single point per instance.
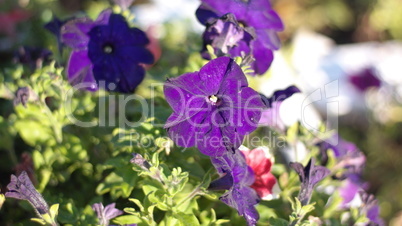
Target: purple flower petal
(111, 212)
(280, 95)
(243, 200)
(370, 206)
(263, 58)
(225, 6)
(309, 176)
(204, 14)
(22, 188)
(270, 17)
(79, 70)
(225, 35)
(74, 33)
(182, 93)
(238, 177)
(245, 112)
(105, 214)
(183, 130)
(348, 192)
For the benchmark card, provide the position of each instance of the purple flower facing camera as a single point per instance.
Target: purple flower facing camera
(213, 109)
(106, 50)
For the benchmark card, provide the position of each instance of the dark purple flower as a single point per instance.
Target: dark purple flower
(309, 176)
(34, 57)
(236, 177)
(124, 4)
(280, 95)
(227, 37)
(365, 79)
(213, 109)
(270, 117)
(22, 188)
(256, 15)
(106, 213)
(106, 50)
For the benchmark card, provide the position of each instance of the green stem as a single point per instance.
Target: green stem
(13, 156)
(53, 122)
(195, 192)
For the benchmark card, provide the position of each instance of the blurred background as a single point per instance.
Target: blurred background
(355, 46)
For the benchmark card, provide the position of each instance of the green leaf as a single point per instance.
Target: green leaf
(186, 219)
(333, 206)
(138, 203)
(33, 132)
(119, 183)
(127, 219)
(277, 222)
(2, 199)
(176, 181)
(54, 211)
(39, 221)
(307, 209)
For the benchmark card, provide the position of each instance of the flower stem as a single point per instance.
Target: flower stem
(195, 192)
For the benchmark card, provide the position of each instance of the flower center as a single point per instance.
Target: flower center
(108, 49)
(214, 100)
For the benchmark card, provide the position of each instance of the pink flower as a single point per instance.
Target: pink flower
(260, 160)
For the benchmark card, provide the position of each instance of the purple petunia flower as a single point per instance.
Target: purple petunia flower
(236, 177)
(22, 188)
(365, 79)
(270, 117)
(227, 37)
(256, 15)
(106, 213)
(106, 50)
(213, 109)
(309, 176)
